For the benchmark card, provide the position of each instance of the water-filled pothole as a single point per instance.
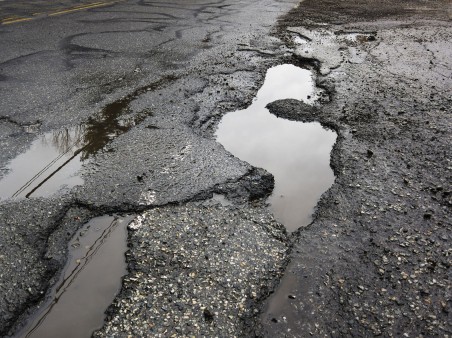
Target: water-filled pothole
(53, 161)
(88, 285)
(297, 154)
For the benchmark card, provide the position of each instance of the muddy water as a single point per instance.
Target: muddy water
(90, 281)
(297, 154)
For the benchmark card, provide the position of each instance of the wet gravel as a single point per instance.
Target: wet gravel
(376, 260)
(204, 60)
(197, 270)
(33, 250)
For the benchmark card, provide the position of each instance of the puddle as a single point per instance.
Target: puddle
(88, 285)
(53, 161)
(283, 310)
(114, 120)
(296, 153)
(282, 306)
(49, 163)
(298, 156)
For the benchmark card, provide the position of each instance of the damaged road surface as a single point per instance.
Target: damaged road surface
(376, 260)
(111, 110)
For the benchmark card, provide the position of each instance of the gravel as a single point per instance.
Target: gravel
(376, 260)
(197, 270)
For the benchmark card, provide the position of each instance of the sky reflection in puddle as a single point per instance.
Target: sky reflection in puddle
(296, 153)
(53, 161)
(53, 158)
(90, 281)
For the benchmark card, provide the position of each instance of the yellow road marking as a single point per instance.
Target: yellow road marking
(98, 4)
(15, 19)
(9, 21)
(10, 18)
(90, 4)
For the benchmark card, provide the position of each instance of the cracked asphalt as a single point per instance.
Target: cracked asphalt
(174, 69)
(375, 261)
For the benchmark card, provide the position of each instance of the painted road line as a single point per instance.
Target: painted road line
(9, 21)
(65, 11)
(16, 19)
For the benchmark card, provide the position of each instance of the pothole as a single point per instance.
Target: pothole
(296, 153)
(53, 161)
(48, 165)
(89, 282)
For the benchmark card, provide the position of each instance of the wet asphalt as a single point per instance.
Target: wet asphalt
(172, 69)
(376, 259)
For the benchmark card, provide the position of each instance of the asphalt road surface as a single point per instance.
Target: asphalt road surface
(112, 107)
(130, 92)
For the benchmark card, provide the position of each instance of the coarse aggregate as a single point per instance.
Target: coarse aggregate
(88, 68)
(197, 271)
(30, 256)
(376, 260)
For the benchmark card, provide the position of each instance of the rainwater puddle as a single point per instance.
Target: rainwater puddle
(88, 285)
(296, 153)
(53, 161)
(48, 165)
